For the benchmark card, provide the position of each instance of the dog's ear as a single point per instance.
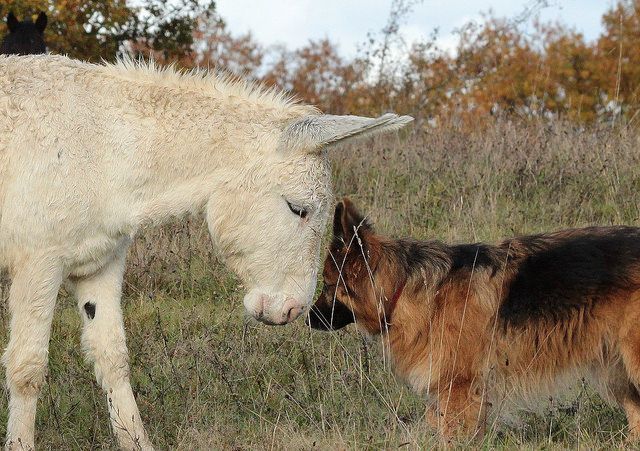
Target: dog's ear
(41, 22)
(347, 220)
(338, 232)
(355, 236)
(12, 22)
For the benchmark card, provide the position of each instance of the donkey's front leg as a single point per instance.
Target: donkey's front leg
(103, 339)
(32, 300)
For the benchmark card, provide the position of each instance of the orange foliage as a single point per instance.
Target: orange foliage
(97, 30)
(497, 68)
(618, 54)
(317, 74)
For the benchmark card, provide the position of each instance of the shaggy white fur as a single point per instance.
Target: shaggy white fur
(89, 153)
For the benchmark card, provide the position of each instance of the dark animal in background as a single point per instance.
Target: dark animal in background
(26, 37)
(474, 325)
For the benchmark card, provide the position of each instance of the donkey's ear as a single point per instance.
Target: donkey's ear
(315, 132)
(12, 22)
(41, 22)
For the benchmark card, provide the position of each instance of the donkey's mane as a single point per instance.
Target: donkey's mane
(212, 82)
(215, 83)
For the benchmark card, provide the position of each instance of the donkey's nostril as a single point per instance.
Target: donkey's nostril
(291, 309)
(293, 313)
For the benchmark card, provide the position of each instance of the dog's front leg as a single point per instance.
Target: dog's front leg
(460, 410)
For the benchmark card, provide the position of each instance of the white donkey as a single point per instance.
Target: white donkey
(89, 153)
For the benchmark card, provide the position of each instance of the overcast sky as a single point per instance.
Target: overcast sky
(295, 22)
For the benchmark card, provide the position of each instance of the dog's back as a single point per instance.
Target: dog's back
(570, 305)
(535, 307)
(553, 277)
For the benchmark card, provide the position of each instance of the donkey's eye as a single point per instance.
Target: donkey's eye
(298, 211)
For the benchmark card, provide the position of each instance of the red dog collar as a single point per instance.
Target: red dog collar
(394, 301)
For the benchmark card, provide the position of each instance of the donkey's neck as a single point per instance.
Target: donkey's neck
(184, 156)
(183, 136)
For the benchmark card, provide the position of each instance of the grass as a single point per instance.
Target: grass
(207, 379)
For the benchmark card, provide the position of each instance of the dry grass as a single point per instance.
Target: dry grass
(207, 379)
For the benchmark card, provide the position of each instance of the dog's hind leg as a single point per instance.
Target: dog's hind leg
(625, 383)
(617, 385)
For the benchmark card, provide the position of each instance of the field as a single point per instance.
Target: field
(206, 378)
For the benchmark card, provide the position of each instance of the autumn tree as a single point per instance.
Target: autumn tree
(101, 29)
(500, 66)
(571, 75)
(428, 84)
(317, 74)
(618, 56)
(216, 46)
(500, 70)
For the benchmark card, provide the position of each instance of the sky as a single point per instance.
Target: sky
(347, 22)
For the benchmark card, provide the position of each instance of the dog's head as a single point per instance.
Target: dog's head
(356, 288)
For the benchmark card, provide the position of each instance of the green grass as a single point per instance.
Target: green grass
(207, 379)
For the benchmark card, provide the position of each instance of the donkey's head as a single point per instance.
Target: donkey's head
(24, 38)
(270, 230)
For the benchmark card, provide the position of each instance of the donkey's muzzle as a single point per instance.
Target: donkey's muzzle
(263, 308)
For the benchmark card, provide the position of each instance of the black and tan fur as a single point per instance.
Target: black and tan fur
(474, 322)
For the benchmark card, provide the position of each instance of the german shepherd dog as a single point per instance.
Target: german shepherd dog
(472, 323)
